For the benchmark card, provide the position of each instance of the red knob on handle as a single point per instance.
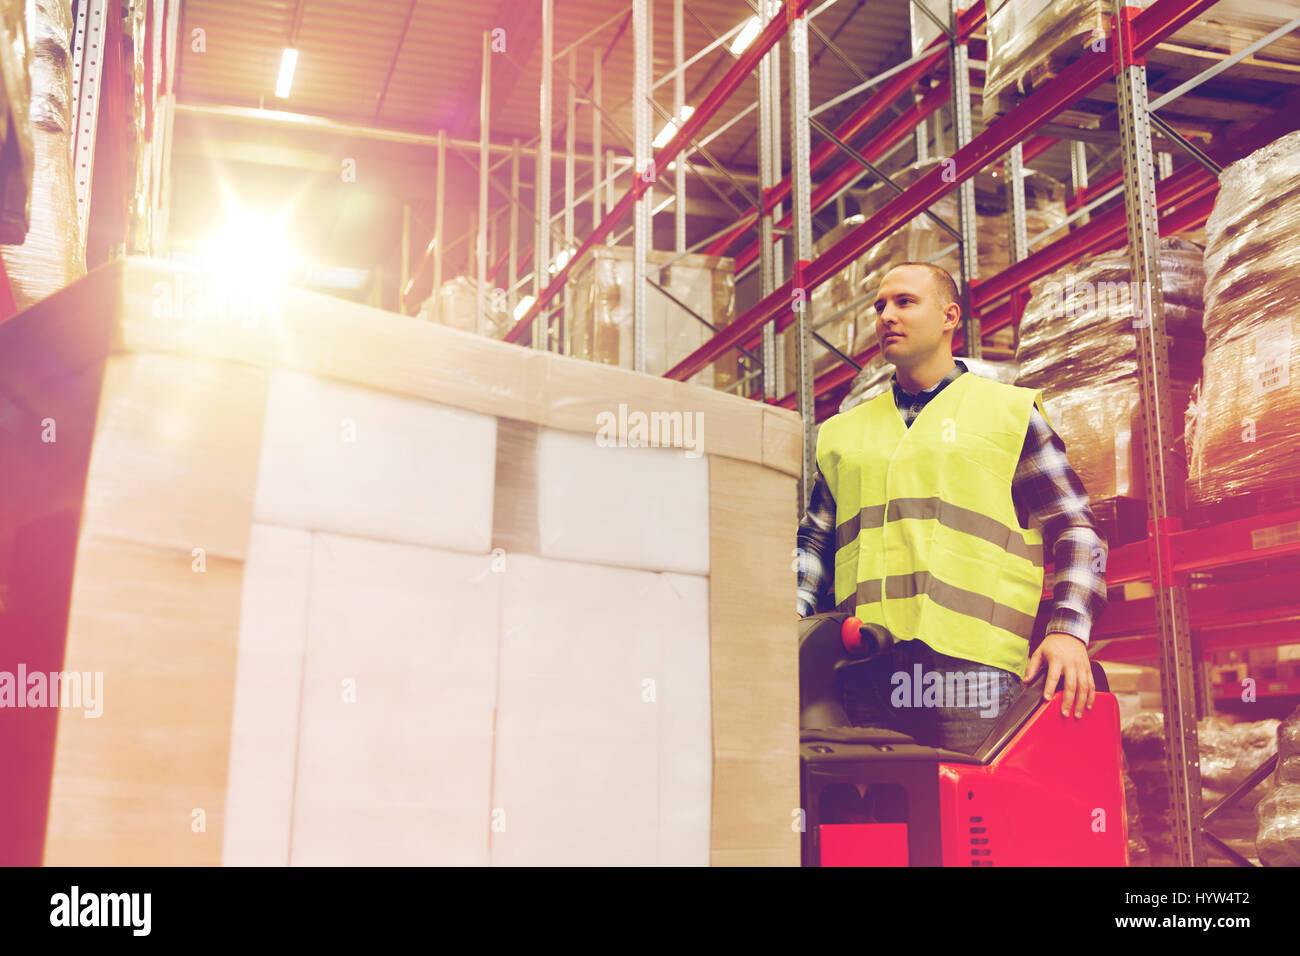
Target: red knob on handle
(851, 636)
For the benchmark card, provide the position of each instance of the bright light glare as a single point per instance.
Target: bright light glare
(522, 308)
(745, 37)
(253, 249)
(560, 261)
(669, 131)
(287, 62)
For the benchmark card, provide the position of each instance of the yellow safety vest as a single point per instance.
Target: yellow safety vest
(927, 542)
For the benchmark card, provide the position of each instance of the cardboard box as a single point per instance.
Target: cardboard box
(320, 554)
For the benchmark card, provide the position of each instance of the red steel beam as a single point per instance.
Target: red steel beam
(901, 126)
(1194, 191)
(730, 82)
(1148, 28)
(856, 122)
(1084, 196)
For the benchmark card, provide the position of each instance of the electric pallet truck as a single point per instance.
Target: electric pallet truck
(1041, 790)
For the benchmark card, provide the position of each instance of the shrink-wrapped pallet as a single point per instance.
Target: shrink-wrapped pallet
(601, 329)
(53, 252)
(355, 588)
(1030, 41)
(15, 125)
(456, 305)
(1247, 415)
(1078, 340)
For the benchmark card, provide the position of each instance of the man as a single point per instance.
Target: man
(930, 514)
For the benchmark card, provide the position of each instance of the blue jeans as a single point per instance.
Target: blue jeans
(939, 701)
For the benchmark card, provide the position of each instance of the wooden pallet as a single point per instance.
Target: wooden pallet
(1245, 505)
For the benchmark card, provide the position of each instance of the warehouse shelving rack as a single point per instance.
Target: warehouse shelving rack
(1175, 201)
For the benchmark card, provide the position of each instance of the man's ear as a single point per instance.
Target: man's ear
(952, 314)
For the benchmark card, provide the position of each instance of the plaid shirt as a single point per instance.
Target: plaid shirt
(1045, 487)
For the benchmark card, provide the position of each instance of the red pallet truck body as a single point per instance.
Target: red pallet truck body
(1041, 790)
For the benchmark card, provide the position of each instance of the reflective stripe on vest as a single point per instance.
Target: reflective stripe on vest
(927, 541)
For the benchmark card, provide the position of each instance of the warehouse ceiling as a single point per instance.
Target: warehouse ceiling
(376, 80)
(416, 65)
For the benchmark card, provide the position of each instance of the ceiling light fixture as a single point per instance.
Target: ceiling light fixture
(287, 62)
(746, 36)
(669, 131)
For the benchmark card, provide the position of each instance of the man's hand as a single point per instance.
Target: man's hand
(1066, 656)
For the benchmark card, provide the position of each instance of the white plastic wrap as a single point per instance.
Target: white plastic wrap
(1279, 812)
(1078, 343)
(53, 253)
(601, 329)
(1247, 418)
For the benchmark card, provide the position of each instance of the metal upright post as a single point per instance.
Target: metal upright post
(512, 276)
(570, 191)
(921, 135)
(1165, 474)
(87, 73)
(596, 145)
(542, 183)
(773, 380)
(774, 177)
(1079, 172)
(1017, 226)
(1165, 164)
(1015, 186)
(959, 76)
(484, 158)
(406, 253)
(679, 107)
(611, 171)
(801, 216)
(439, 209)
(640, 168)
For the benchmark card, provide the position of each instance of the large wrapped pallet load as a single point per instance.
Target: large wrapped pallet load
(1244, 423)
(52, 253)
(1229, 753)
(1078, 342)
(601, 329)
(15, 122)
(339, 586)
(919, 240)
(456, 305)
(1030, 41)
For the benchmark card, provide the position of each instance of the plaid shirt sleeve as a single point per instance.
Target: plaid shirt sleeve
(815, 549)
(1047, 489)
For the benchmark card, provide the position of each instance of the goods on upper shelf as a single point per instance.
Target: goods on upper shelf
(601, 327)
(1030, 41)
(1245, 421)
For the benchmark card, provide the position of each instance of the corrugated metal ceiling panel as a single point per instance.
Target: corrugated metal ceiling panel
(365, 63)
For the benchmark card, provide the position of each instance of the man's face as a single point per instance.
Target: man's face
(910, 316)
